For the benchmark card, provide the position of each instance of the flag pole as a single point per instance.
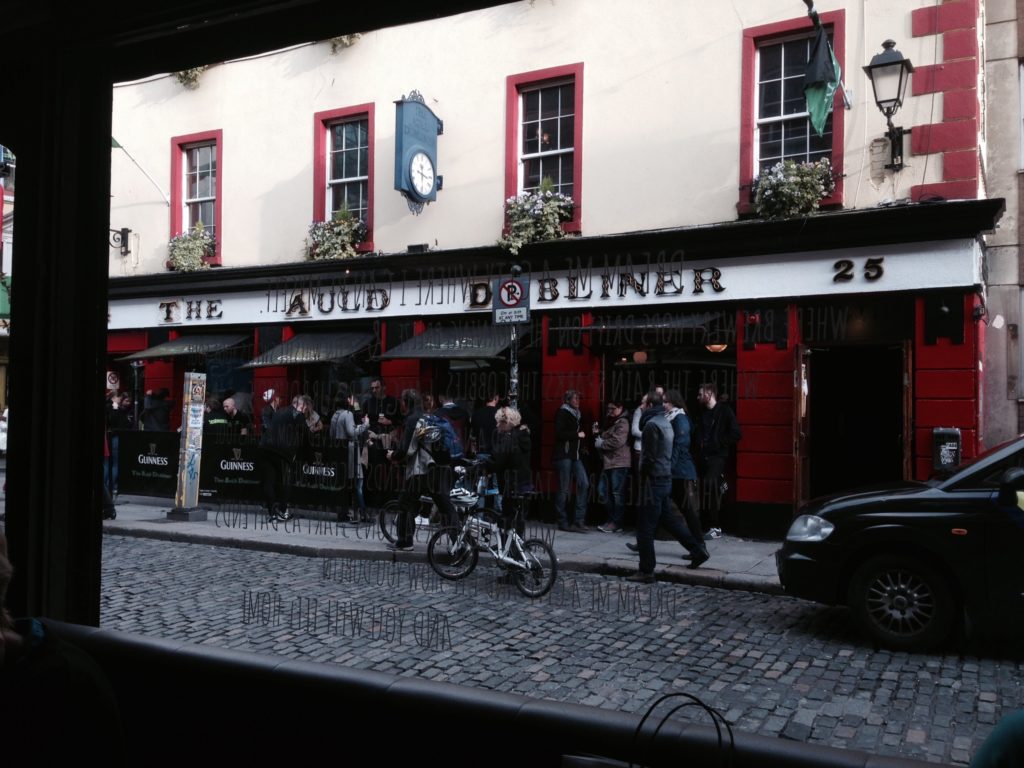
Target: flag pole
(115, 144)
(813, 16)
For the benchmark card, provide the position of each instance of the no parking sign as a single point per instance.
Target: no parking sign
(511, 300)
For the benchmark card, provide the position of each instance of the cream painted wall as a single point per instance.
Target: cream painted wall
(661, 121)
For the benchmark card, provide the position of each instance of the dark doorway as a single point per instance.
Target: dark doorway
(856, 417)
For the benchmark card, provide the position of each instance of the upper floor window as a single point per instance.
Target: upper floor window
(784, 129)
(547, 131)
(343, 164)
(196, 183)
(349, 168)
(775, 124)
(544, 118)
(201, 187)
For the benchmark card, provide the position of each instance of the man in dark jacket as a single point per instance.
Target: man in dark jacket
(568, 462)
(717, 433)
(279, 444)
(156, 411)
(425, 473)
(656, 493)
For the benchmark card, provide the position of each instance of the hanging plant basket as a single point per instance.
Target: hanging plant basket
(337, 238)
(790, 188)
(190, 251)
(535, 216)
(189, 78)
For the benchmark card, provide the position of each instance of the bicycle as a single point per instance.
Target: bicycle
(462, 496)
(453, 552)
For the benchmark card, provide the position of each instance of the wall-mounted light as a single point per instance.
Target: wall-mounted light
(639, 357)
(119, 238)
(889, 73)
(716, 348)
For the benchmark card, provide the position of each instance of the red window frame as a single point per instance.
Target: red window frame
(514, 85)
(757, 36)
(321, 124)
(178, 146)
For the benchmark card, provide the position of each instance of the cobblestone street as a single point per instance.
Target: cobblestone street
(772, 665)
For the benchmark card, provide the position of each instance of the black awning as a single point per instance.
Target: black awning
(308, 348)
(189, 345)
(454, 342)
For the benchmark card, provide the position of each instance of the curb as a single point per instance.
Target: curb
(672, 574)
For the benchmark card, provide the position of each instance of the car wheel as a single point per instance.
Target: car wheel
(902, 603)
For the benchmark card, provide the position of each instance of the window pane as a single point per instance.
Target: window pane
(795, 141)
(771, 141)
(567, 129)
(531, 174)
(549, 135)
(794, 100)
(531, 140)
(771, 62)
(822, 143)
(568, 97)
(566, 173)
(531, 106)
(337, 167)
(770, 99)
(549, 102)
(794, 57)
(364, 161)
(351, 134)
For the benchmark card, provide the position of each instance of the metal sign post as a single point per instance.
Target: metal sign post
(193, 402)
(511, 306)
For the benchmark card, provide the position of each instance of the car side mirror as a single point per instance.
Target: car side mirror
(1011, 482)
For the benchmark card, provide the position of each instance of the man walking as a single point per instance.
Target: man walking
(718, 432)
(656, 490)
(568, 463)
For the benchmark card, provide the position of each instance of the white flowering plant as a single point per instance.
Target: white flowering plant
(535, 216)
(189, 251)
(337, 238)
(189, 78)
(790, 188)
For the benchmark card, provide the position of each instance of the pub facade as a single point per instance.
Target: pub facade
(842, 338)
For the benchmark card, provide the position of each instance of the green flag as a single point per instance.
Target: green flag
(821, 78)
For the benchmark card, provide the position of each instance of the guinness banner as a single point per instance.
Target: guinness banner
(148, 463)
(231, 469)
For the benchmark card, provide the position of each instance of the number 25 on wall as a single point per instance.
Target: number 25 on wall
(844, 270)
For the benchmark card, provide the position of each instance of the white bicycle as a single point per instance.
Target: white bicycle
(453, 553)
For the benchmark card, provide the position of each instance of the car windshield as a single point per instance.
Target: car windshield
(977, 471)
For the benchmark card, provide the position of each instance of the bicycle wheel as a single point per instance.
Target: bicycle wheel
(542, 568)
(451, 554)
(387, 517)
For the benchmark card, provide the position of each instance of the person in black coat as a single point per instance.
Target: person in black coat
(510, 460)
(717, 433)
(568, 461)
(279, 444)
(156, 410)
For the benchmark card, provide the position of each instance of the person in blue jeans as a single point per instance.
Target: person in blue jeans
(616, 459)
(656, 496)
(567, 460)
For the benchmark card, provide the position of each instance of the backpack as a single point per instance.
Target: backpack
(440, 439)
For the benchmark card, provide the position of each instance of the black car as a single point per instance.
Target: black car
(915, 560)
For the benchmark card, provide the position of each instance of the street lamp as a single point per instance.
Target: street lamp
(889, 73)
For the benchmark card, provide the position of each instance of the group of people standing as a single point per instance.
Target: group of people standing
(496, 436)
(655, 445)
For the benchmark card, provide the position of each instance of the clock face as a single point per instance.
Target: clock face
(421, 174)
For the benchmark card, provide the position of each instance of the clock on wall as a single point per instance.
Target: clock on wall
(416, 132)
(421, 174)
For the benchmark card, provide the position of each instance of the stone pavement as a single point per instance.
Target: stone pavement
(735, 563)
